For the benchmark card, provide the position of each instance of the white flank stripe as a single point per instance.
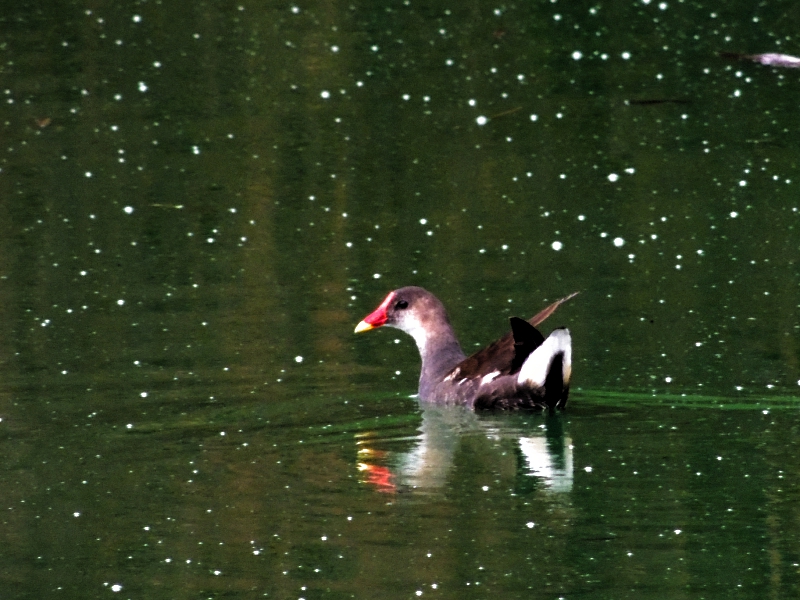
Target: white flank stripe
(490, 377)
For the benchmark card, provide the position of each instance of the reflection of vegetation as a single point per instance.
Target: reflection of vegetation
(746, 402)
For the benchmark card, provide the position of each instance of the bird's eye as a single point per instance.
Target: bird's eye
(401, 305)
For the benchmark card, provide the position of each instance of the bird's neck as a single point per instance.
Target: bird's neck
(440, 352)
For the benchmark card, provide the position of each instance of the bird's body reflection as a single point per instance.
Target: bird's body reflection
(533, 446)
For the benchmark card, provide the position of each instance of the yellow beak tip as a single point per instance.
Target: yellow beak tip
(363, 326)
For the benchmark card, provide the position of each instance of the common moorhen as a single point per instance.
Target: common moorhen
(520, 370)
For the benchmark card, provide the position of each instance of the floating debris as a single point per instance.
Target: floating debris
(770, 59)
(652, 101)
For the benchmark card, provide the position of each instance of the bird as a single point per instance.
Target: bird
(521, 370)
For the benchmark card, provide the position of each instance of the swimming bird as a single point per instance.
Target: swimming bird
(523, 369)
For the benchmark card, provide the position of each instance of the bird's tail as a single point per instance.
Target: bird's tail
(549, 368)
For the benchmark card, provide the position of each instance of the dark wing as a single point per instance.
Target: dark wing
(526, 339)
(506, 355)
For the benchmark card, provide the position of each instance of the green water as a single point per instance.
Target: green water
(199, 202)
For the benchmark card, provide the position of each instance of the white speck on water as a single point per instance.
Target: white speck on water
(376, 276)
(76, 514)
(117, 97)
(668, 379)
(485, 488)
(625, 55)
(349, 244)
(195, 149)
(581, 217)
(587, 469)
(482, 120)
(734, 214)
(742, 183)
(472, 102)
(423, 221)
(630, 170)
(210, 240)
(128, 210)
(612, 177)
(406, 97)
(556, 17)
(296, 9)
(120, 302)
(530, 524)
(298, 359)
(577, 55)
(677, 532)
(88, 174)
(534, 117)
(143, 394)
(157, 64)
(557, 245)
(325, 94)
(129, 426)
(142, 86)
(116, 588)
(482, 251)
(619, 242)
(374, 48)
(334, 49)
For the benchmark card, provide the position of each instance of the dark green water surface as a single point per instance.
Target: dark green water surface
(199, 201)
